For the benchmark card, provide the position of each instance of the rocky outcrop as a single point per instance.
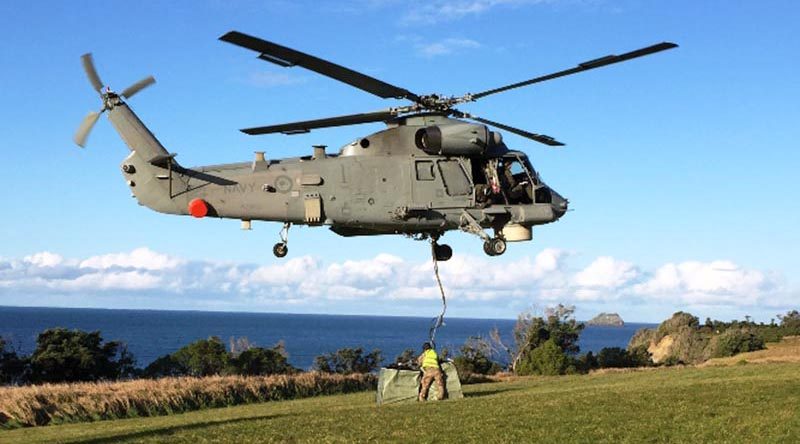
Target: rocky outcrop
(607, 319)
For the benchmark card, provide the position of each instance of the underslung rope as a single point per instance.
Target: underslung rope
(439, 320)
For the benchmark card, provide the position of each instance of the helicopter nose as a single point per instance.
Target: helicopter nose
(558, 203)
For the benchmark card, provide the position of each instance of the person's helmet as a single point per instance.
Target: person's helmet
(426, 346)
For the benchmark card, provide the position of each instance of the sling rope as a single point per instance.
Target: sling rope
(439, 320)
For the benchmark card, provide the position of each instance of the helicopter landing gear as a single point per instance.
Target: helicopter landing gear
(281, 249)
(492, 246)
(495, 246)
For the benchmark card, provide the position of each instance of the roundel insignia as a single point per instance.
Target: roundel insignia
(283, 184)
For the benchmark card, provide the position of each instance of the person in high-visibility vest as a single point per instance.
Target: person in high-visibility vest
(429, 363)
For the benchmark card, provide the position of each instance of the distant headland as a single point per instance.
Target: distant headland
(607, 319)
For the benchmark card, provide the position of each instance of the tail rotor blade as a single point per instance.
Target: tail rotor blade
(91, 73)
(138, 86)
(85, 128)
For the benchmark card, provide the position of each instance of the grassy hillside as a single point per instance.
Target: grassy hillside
(736, 403)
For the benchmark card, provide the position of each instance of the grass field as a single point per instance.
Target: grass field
(735, 403)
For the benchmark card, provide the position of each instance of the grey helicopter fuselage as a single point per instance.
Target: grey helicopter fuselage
(385, 183)
(435, 168)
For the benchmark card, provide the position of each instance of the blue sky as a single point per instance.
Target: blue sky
(681, 166)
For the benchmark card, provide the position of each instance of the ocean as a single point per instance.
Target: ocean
(153, 333)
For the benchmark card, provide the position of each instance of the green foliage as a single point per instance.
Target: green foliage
(13, 369)
(790, 323)
(734, 341)
(548, 359)
(63, 355)
(165, 366)
(409, 356)
(557, 327)
(615, 357)
(476, 358)
(642, 338)
(204, 357)
(586, 363)
(261, 361)
(348, 360)
(692, 343)
(679, 321)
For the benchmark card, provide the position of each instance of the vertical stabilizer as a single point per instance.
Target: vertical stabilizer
(134, 133)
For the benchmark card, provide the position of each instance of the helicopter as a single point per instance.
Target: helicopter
(433, 169)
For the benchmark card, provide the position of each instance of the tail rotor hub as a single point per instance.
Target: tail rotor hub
(110, 98)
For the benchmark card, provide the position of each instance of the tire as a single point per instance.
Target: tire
(498, 246)
(443, 252)
(280, 250)
(487, 248)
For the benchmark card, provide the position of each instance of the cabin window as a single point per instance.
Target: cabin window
(455, 178)
(425, 170)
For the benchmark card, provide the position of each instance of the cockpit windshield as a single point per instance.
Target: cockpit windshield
(520, 167)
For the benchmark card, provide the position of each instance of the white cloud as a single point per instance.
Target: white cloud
(716, 282)
(44, 259)
(435, 11)
(307, 282)
(606, 272)
(446, 46)
(142, 258)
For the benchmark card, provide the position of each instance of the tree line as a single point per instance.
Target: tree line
(544, 344)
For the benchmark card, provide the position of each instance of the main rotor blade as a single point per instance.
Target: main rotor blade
(308, 125)
(585, 66)
(85, 128)
(91, 73)
(541, 138)
(288, 57)
(138, 86)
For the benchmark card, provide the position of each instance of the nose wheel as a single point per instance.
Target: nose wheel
(281, 249)
(495, 246)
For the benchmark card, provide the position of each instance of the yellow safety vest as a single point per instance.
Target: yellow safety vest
(430, 359)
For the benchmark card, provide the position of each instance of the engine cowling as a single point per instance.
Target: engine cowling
(458, 139)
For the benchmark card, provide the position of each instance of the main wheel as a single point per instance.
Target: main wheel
(487, 248)
(498, 246)
(443, 252)
(280, 249)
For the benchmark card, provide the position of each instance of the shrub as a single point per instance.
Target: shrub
(734, 341)
(63, 355)
(642, 338)
(679, 321)
(790, 323)
(640, 356)
(202, 358)
(586, 363)
(547, 359)
(165, 366)
(261, 361)
(13, 369)
(557, 326)
(615, 357)
(348, 360)
(408, 357)
(475, 358)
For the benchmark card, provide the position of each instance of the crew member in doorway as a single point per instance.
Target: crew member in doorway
(429, 363)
